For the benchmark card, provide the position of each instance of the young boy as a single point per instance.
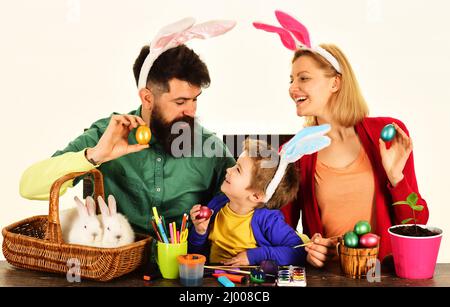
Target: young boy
(243, 229)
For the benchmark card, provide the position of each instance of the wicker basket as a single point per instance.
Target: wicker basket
(356, 262)
(36, 243)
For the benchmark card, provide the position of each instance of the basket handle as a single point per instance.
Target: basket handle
(54, 233)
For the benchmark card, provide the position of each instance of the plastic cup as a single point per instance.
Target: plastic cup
(167, 258)
(191, 268)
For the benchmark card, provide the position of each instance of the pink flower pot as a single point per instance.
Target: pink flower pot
(415, 257)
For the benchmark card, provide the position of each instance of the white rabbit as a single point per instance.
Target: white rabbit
(81, 225)
(117, 230)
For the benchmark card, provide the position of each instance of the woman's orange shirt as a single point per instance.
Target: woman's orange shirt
(345, 195)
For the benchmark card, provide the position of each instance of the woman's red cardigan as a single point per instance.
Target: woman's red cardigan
(386, 215)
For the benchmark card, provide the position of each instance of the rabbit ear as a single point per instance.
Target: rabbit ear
(103, 207)
(169, 32)
(176, 34)
(90, 204)
(82, 210)
(294, 26)
(112, 205)
(165, 39)
(306, 147)
(306, 141)
(209, 29)
(285, 36)
(203, 31)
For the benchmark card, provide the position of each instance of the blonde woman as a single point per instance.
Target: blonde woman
(358, 176)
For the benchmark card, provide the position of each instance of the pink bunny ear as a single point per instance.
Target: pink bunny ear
(294, 26)
(171, 31)
(285, 36)
(176, 34)
(210, 29)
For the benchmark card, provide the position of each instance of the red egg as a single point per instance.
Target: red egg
(369, 240)
(204, 213)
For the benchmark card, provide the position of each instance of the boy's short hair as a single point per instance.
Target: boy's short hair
(265, 164)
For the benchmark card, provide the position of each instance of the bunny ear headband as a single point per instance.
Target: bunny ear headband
(178, 33)
(295, 36)
(307, 141)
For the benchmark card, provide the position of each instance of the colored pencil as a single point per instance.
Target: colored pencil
(183, 223)
(178, 236)
(163, 234)
(226, 269)
(156, 230)
(158, 223)
(175, 231)
(155, 214)
(171, 233)
(231, 270)
(163, 221)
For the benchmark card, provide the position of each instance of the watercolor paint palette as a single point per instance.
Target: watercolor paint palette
(292, 276)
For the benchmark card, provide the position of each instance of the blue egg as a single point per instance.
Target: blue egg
(388, 133)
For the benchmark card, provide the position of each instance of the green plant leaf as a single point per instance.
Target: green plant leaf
(407, 220)
(412, 198)
(400, 203)
(417, 208)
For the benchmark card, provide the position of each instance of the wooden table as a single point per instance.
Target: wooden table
(328, 277)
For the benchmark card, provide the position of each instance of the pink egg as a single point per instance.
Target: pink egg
(369, 240)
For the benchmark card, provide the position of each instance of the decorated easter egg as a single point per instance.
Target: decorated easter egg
(369, 240)
(204, 213)
(351, 239)
(362, 227)
(388, 133)
(143, 135)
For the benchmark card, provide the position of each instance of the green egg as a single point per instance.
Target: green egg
(351, 239)
(362, 227)
(388, 133)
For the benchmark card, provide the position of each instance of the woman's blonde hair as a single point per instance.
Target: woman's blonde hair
(349, 107)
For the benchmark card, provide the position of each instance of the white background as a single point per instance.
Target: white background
(65, 64)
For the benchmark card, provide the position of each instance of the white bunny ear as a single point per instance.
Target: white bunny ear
(164, 40)
(103, 207)
(112, 205)
(167, 33)
(90, 204)
(210, 29)
(176, 34)
(82, 210)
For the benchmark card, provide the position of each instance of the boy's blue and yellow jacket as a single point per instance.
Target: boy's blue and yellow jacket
(275, 238)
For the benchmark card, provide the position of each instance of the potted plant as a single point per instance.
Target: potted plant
(414, 247)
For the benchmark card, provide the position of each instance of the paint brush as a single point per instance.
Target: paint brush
(311, 242)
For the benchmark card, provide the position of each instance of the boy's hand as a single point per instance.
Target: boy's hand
(200, 225)
(239, 259)
(320, 250)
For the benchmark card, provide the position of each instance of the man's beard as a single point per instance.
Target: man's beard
(163, 131)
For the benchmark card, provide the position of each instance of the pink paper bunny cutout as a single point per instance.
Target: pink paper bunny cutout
(178, 33)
